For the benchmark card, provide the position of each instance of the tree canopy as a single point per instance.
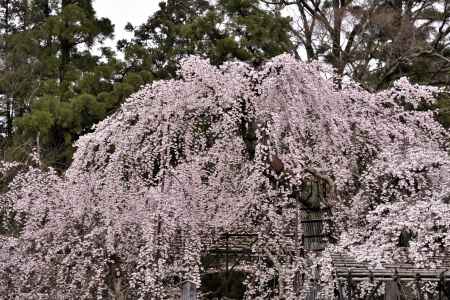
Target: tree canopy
(229, 149)
(375, 42)
(57, 80)
(228, 30)
(49, 82)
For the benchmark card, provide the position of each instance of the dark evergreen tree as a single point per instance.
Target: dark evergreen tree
(12, 21)
(227, 30)
(66, 77)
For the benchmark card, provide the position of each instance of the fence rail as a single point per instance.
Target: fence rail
(349, 272)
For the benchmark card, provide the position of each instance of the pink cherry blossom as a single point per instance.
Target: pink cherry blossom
(185, 161)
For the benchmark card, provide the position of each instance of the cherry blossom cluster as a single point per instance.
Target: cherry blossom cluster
(226, 150)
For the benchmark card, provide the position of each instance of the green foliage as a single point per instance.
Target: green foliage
(54, 87)
(58, 123)
(51, 84)
(443, 105)
(58, 92)
(228, 30)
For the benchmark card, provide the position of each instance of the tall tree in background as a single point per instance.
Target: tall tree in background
(63, 101)
(12, 66)
(226, 30)
(76, 25)
(376, 42)
(54, 88)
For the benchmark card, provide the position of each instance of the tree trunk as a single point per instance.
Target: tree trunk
(66, 49)
(8, 97)
(336, 37)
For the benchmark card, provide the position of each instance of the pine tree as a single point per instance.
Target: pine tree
(68, 79)
(12, 22)
(227, 30)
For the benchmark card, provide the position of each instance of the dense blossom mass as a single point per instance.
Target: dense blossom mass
(230, 149)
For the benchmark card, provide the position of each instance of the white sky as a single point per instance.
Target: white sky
(120, 12)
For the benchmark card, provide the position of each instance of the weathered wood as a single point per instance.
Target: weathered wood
(418, 287)
(392, 290)
(340, 291)
(238, 248)
(312, 294)
(188, 291)
(442, 285)
(393, 274)
(349, 285)
(313, 221)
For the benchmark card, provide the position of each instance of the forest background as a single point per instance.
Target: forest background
(58, 77)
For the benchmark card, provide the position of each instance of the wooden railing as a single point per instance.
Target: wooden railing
(349, 272)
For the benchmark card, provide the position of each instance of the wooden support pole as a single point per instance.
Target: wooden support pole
(445, 291)
(188, 291)
(227, 248)
(349, 285)
(297, 284)
(340, 291)
(419, 292)
(441, 285)
(392, 290)
(227, 263)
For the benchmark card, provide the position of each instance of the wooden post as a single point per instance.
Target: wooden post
(441, 285)
(349, 285)
(297, 283)
(392, 291)
(419, 292)
(188, 291)
(227, 264)
(312, 294)
(226, 254)
(340, 291)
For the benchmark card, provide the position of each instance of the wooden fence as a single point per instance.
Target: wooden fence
(393, 275)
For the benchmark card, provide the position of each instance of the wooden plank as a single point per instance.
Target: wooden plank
(358, 273)
(405, 271)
